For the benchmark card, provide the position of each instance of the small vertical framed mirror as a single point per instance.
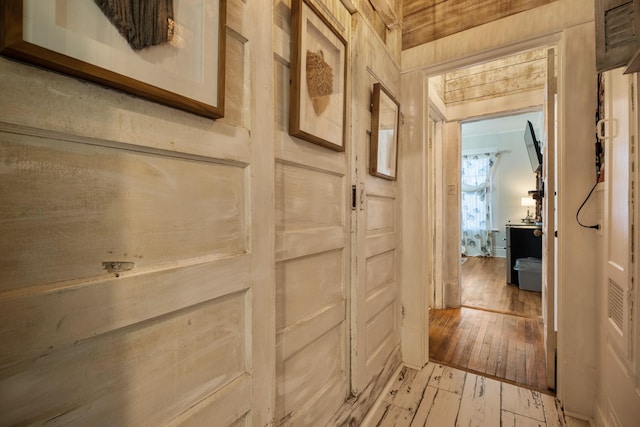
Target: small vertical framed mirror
(385, 118)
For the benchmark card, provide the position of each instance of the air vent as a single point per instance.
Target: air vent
(618, 26)
(616, 305)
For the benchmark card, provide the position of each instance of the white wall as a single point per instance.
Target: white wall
(513, 175)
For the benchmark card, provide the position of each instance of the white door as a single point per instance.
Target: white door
(620, 364)
(376, 308)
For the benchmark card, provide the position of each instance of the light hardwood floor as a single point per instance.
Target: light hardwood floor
(484, 286)
(442, 396)
(498, 332)
(498, 345)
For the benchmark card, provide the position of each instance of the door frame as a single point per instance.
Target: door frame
(413, 355)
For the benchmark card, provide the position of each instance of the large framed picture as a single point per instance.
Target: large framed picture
(318, 78)
(385, 118)
(185, 69)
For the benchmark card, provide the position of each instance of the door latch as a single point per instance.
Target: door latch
(117, 267)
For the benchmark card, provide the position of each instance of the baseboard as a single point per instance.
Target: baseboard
(577, 417)
(355, 409)
(500, 252)
(369, 419)
(600, 420)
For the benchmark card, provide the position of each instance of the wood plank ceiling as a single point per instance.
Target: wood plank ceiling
(428, 20)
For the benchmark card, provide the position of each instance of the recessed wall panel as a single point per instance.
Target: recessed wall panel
(380, 270)
(306, 285)
(380, 214)
(142, 375)
(73, 206)
(302, 376)
(379, 327)
(307, 198)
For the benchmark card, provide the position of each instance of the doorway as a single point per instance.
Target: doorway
(495, 329)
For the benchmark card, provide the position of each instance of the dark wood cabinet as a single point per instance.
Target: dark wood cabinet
(617, 32)
(522, 242)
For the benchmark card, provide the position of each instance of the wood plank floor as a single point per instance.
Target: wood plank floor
(484, 285)
(442, 396)
(501, 338)
(498, 345)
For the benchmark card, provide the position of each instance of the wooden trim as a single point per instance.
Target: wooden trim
(428, 21)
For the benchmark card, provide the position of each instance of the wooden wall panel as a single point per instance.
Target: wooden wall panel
(54, 318)
(186, 337)
(133, 376)
(380, 271)
(389, 34)
(379, 327)
(312, 240)
(307, 285)
(307, 198)
(314, 367)
(425, 21)
(63, 193)
(512, 75)
(380, 214)
(375, 328)
(231, 407)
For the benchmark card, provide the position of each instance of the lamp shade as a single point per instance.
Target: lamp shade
(527, 201)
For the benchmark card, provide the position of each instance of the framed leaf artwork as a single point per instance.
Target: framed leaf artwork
(318, 78)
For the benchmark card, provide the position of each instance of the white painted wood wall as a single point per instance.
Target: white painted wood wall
(91, 175)
(242, 306)
(312, 254)
(376, 293)
(519, 73)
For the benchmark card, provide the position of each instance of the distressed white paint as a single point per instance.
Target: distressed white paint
(480, 403)
(375, 294)
(98, 176)
(312, 254)
(443, 396)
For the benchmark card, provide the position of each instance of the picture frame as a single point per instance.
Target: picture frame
(318, 102)
(383, 148)
(76, 38)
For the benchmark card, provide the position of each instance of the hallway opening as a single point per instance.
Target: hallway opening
(496, 331)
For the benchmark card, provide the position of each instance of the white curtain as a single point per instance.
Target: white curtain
(477, 207)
